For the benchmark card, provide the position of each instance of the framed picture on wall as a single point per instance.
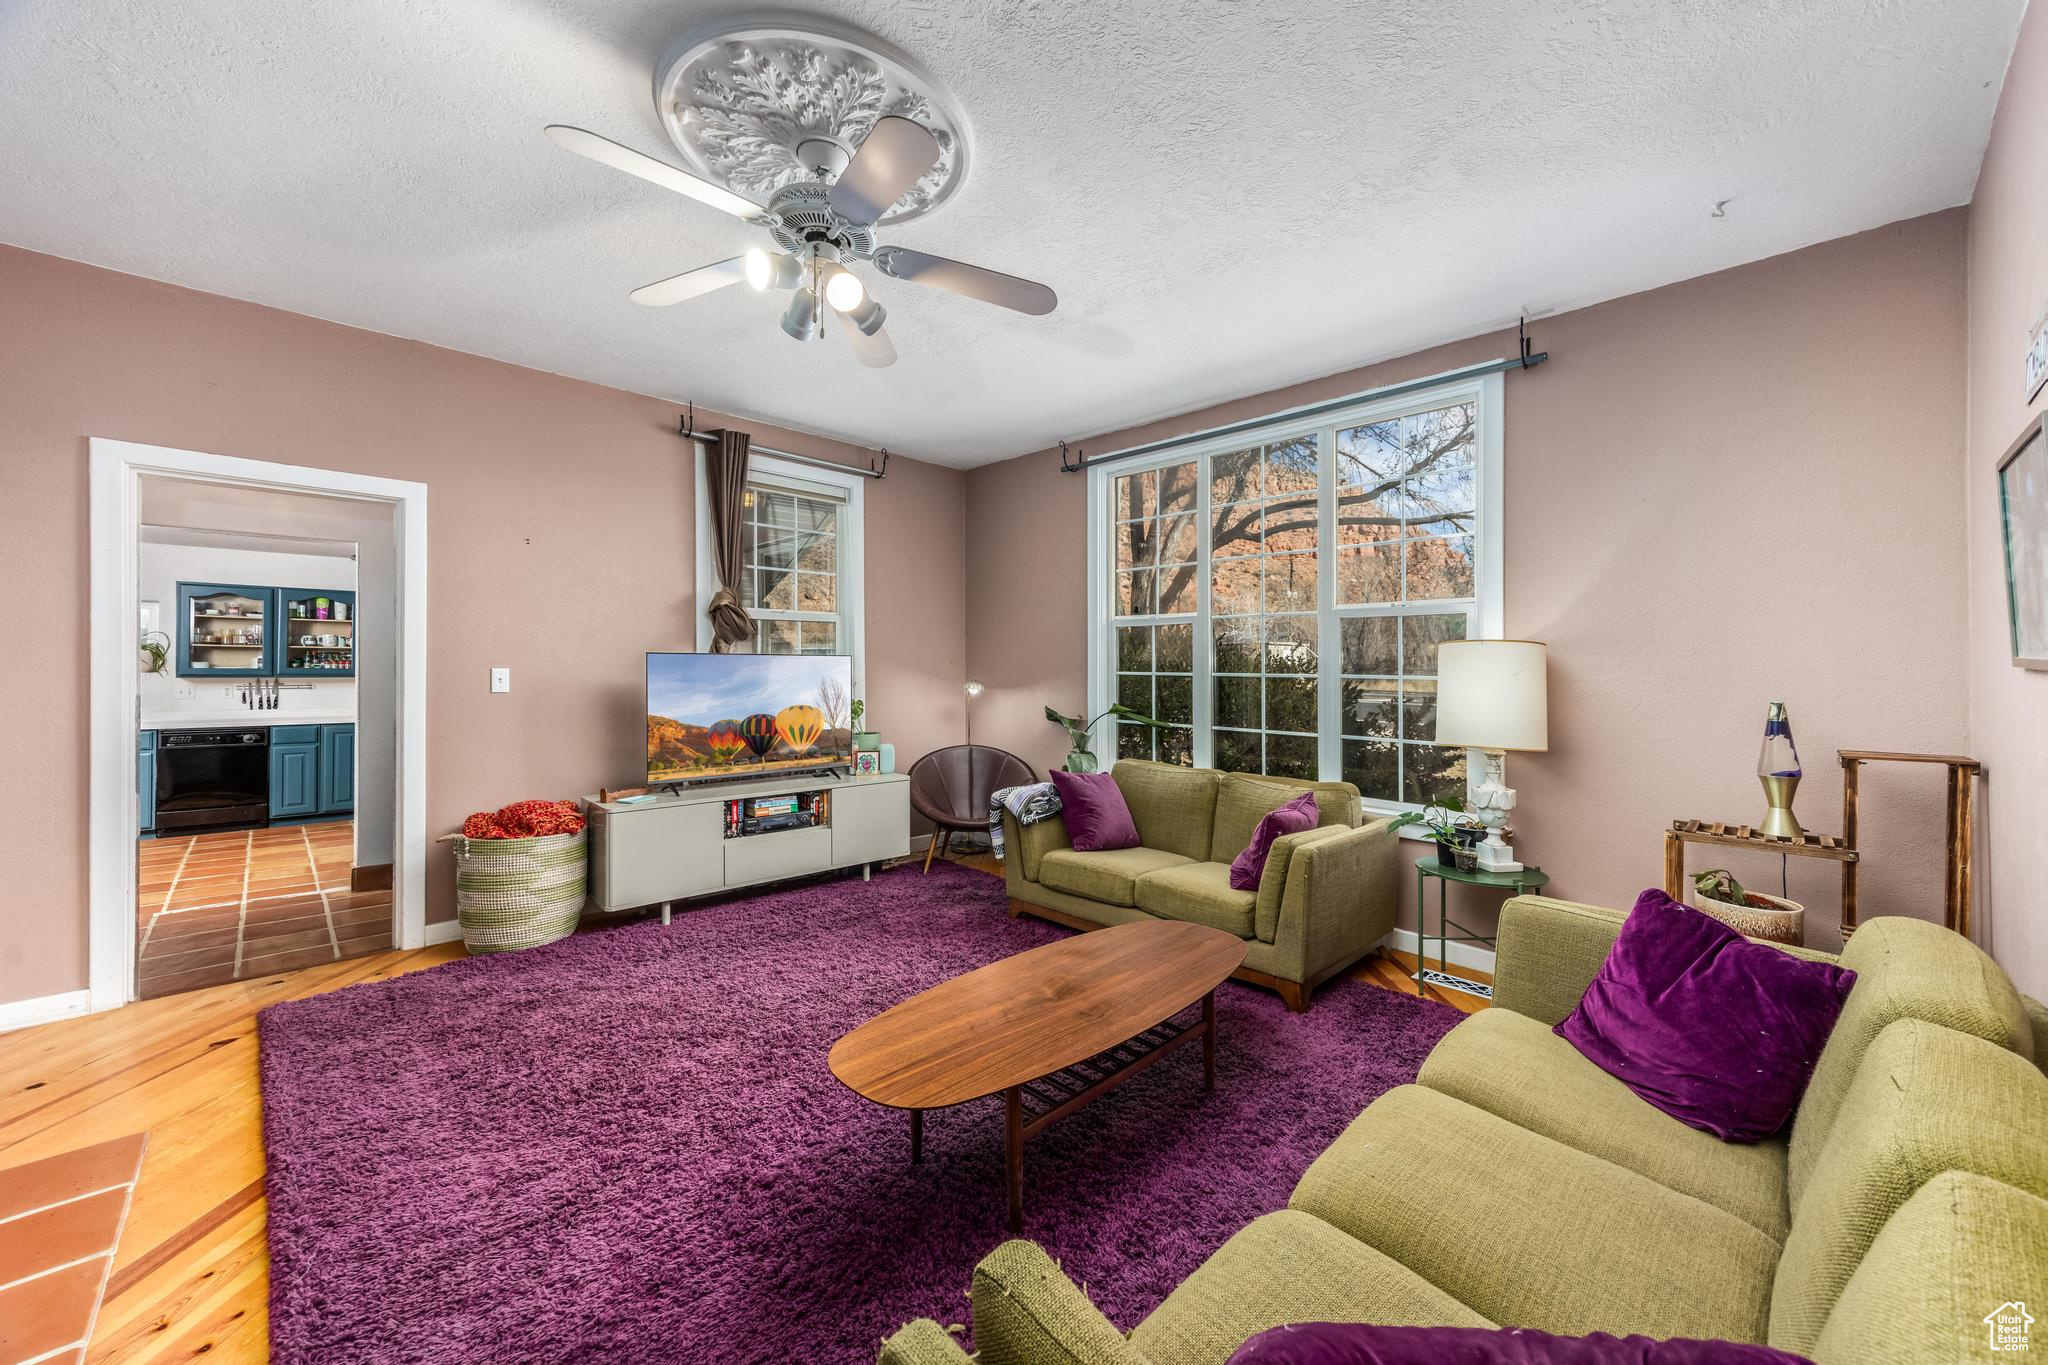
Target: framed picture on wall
(2023, 506)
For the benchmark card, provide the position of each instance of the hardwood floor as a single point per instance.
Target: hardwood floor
(191, 1276)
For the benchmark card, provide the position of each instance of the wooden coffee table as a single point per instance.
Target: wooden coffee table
(1049, 1029)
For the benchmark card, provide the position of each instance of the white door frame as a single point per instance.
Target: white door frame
(116, 684)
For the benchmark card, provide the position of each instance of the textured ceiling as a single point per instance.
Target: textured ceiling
(1228, 195)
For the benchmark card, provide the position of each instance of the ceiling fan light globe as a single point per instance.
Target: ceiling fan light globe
(844, 291)
(869, 316)
(800, 319)
(757, 269)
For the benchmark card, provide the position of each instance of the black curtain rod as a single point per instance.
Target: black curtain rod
(1526, 361)
(686, 428)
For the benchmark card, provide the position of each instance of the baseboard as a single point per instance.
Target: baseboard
(44, 1009)
(443, 931)
(1460, 954)
(375, 877)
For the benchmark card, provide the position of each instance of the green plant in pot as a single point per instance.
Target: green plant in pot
(1748, 912)
(156, 652)
(1081, 757)
(863, 738)
(1449, 823)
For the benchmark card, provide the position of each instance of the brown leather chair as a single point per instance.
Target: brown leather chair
(951, 788)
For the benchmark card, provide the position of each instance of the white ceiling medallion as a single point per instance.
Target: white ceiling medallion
(756, 104)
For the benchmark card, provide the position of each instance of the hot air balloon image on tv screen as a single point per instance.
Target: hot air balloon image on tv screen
(735, 715)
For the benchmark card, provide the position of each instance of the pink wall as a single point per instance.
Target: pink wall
(1737, 489)
(2008, 255)
(553, 502)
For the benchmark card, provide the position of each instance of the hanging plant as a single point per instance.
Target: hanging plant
(156, 652)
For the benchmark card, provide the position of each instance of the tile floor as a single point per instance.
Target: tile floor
(60, 1220)
(214, 908)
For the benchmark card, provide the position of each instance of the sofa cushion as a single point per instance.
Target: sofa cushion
(1174, 807)
(1294, 817)
(1511, 1065)
(1288, 1267)
(1719, 1032)
(1372, 1343)
(1110, 875)
(1243, 799)
(1093, 806)
(1199, 893)
(1926, 1100)
(1532, 1233)
(1961, 1248)
(1905, 969)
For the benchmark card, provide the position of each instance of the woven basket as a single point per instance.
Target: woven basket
(519, 893)
(1785, 924)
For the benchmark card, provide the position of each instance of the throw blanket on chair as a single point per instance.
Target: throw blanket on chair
(1030, 804)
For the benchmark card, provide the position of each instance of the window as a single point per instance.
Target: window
(1277, 603)
(790, 571)
(800, 557)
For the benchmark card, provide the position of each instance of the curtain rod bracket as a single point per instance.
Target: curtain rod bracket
(686, 425)
(1073, 464)
(1522, 332)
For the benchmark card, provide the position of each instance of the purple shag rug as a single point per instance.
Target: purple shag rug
(627, 1147)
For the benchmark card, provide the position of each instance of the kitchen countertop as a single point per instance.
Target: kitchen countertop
(239, 719)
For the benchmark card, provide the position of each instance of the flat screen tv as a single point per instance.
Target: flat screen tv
(713, 716)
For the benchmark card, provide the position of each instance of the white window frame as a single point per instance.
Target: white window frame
(1483, 391)
(787, 476)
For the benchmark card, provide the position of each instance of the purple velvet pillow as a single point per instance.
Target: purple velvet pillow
(1097, 815)
(1361, 1343)
(1294, 817)
(1718, 1032)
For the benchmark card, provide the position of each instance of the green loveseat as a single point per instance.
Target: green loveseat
(1516, 1184)
(1327, 896)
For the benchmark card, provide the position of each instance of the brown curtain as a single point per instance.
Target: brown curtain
(725, 472)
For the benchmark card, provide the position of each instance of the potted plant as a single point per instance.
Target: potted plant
(863, 738)
(156, 652)
(1753, 913)
(1449, 823)
(1080, 757)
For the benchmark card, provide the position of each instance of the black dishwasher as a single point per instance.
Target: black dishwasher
(212, 779)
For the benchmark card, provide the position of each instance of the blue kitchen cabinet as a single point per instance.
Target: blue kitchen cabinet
(311, 645)
(145, 781)
(337, 769)
(294, 771)
(226, 630)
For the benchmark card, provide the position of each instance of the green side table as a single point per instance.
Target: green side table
(1528, 879)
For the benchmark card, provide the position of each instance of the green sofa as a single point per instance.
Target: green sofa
(1516, 1184)
(1327, 897)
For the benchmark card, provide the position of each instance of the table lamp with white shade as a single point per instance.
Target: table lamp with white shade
(1491, 695)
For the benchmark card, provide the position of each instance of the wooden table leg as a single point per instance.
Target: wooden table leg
(1013, 1153)
(1209, 1041)
(1674, 866)
(916, 1136)
(1852, 772)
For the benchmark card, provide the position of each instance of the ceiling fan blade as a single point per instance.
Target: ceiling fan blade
(990, 286)
(894, 156)
(876, 352)
(621, 158)
(691, 283)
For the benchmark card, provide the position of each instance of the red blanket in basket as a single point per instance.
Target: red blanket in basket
(524, 820)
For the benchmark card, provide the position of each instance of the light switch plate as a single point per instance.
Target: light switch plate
(184, 691)
(501, 680)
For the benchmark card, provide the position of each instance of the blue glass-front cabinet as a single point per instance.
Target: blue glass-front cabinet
(318, 629)
(224, 631)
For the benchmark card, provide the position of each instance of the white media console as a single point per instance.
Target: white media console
(700, 841)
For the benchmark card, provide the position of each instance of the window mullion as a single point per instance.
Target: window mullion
(1329, 636)
(1205, 631)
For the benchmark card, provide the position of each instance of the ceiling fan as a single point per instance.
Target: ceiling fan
(818, 226)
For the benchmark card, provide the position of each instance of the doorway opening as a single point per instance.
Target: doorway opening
(261, 710)
(258, 765)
